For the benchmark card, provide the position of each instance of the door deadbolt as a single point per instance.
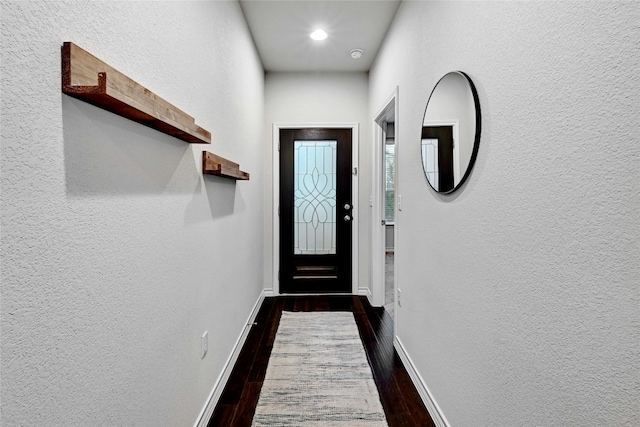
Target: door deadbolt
(347, 206)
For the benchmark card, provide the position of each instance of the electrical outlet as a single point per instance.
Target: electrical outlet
(399, 297)
(204, 344)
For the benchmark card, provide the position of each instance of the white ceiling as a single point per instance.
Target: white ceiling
(281, 29)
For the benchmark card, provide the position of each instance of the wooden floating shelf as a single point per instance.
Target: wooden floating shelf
(87, 78)
(216, 165)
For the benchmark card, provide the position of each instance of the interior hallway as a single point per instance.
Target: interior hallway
(519, 291)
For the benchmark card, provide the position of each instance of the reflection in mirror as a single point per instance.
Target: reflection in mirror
(450, 132)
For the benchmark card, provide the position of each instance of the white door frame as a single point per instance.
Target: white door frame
(354, 196)
(378, 249)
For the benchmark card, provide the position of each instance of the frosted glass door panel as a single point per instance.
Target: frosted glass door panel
(314, 197)
(430, 160)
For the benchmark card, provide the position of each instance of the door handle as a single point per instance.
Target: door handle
(347, 218)
(347, 206)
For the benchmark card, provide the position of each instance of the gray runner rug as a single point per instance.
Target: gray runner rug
(318, 375)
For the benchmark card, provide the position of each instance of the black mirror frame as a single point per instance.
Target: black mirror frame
(476, 141)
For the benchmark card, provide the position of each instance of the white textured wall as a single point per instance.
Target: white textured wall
(320, 98)
(116, 253)
(521, 292)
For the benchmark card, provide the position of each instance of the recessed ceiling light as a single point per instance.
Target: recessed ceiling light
(318, 35)
(356, 53)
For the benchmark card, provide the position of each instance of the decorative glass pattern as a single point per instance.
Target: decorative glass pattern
(430, 160)
(314, 197)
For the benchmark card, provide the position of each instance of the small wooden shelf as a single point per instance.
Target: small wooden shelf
(216, 165)
(87, 78)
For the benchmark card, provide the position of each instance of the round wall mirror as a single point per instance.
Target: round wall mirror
(450, 132)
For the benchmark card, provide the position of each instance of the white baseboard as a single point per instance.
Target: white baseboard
(218, 387)
(365, 292)
(427, 398)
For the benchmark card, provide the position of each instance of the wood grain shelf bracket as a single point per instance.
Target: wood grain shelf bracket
(216, 165)
(87, 78)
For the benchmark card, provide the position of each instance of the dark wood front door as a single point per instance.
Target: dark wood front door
(315, 210)
(442, 138)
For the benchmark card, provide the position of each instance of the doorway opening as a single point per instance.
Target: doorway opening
(389, 216)
(385, 204)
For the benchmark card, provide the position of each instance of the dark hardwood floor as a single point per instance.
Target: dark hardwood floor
(400, 400)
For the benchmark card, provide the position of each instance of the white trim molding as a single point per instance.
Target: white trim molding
(425, 394)
(269, 293)
(365, 292)
(355, 139)
(218, 387)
